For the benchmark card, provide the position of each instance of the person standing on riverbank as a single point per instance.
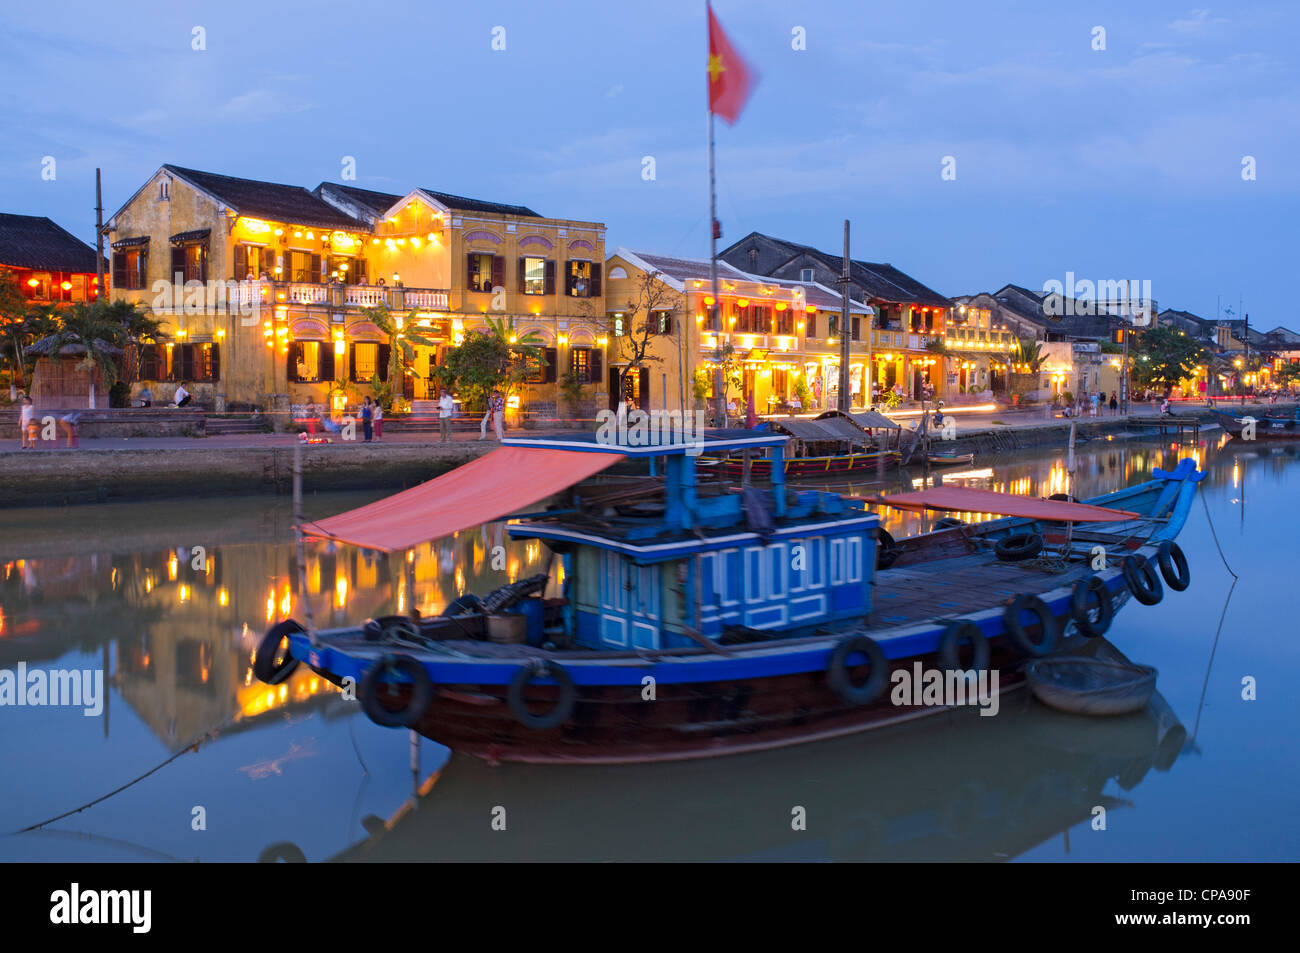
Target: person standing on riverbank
(446, 405)
(1114, 403)
(367, 415)
(379, 421)
(487, 416)
(25, 416)
(499, 414)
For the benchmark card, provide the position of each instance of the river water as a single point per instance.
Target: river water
(168, 598)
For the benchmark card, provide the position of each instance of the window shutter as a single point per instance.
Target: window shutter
(314, 278)
(522, 278)
(359, 275)
(203, 263)
(384, 356)
(498, 271)
(291, 362)
(812, 327)
(142, 268)
(352, 362)
(119, 269)
(241, 262)
(469, 272)
(550, 276)
(568, 282)
(595, 279)
(214, 361)
(548, 374)
(573, 359)
(178, 263)
(594, 359)
(326, 372)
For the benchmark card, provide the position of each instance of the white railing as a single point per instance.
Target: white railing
(364, 296)
(300, 293)
(425, 298)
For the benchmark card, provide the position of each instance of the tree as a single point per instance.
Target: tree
(91, 331)
(1164, 356)
(1027, 353)
(641, 316)
(491, 359)
(402, 333)
(13, 320)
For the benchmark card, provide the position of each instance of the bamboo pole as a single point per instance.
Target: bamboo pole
(301, 543)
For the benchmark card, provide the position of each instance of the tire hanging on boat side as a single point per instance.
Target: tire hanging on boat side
(1079, 608)
(1016, 630)
(409, 715)
(950, 643)
(837, 671)
(1173, 565)
(887, 551)
(564, 704)
(264, 666)
(1012, 549)
(1142, 580)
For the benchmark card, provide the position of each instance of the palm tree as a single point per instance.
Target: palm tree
(1027, 351)
(402, 333)
(85, 330)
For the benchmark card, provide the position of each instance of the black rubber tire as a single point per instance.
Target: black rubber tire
(264, 666)
(887, 551)
(1063, 497)
(837, 671)
(1079, 608)
(1016, 631)
(564, 705)
(1173, 565)
(389, 626)
(948, 522)
(1012, 549)
(950, 642)
(409, 715)
(1142, 580)
(285, 852)
(463, 605)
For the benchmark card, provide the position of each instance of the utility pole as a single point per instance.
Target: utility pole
(715, 309)
(99, 239)
(1123, 380)
(845, 402)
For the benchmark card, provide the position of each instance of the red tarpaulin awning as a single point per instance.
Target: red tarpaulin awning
(486, 489)
(970, 500)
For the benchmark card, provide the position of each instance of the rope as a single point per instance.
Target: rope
(1209, 520)
(209, 735)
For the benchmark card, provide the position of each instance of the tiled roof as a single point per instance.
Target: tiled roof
(462, 204)
(377, 202)
(33, 241)
(291, 204)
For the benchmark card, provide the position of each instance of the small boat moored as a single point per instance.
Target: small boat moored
(1091, 686)
(1247, 427)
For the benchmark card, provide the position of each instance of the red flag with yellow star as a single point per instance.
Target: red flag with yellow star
(730, 78)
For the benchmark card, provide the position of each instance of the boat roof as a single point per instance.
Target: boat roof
(965, 499)
(866, 419)
(810, 430)
(664, 441)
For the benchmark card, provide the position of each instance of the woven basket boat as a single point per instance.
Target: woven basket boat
(1089, 686)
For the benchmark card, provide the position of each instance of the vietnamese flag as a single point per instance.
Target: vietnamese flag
(730, 78)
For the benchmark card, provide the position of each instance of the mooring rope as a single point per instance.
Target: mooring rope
(1210, 520)
(194, 745)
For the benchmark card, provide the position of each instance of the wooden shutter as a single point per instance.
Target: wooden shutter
(203, 263)
(811, 331)
(214, 362)
(594, 362)
(469, 272)
(548, 373)
(550, 276)
(119, 269)
(314, 277)
(241, 262)
(523, 278)
(325, 371)
(141, 267)
(595, 291)
(291, 362)
(178, 263)
(352, 362)
(382, 358)
(359, 275)
(498, 271)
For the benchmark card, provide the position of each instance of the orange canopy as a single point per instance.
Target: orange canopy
(486, 489)
(970, 500)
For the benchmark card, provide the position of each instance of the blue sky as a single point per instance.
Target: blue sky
(1122, 163)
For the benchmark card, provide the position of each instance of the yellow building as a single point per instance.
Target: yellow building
(783, 336)
(263, 286)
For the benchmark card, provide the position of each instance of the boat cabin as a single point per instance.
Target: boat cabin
(731, 563)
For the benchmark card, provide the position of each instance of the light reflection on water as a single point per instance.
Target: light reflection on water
(121, 587)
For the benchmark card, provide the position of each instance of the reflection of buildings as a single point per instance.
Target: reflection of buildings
(182, 627)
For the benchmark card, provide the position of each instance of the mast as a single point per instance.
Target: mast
(714, 309)
(99, 239)
(845, 401)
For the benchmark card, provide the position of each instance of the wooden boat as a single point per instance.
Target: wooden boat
(761, 467)
(735, 620)
(1090, 686)
(950, 458)
(1265, 428)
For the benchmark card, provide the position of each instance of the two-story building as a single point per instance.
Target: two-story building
(775, 337)
(266, 287)
(49, 263)
(908, 315)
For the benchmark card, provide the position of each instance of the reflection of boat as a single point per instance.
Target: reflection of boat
(963, 787)
(1089, 686)
(736, 620)
(1264, 428)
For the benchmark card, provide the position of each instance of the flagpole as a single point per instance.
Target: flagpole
(715, 308)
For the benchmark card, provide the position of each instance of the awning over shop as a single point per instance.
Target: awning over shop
(365, 331)
(495, 485)
(964, 499)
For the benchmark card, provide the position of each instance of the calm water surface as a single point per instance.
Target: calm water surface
(122, 589)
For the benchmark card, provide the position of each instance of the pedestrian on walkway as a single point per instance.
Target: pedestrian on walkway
(379, 421)
(25, 417)
(1096, 403)
(367, 415)
(499, 414)
(487, 416)
(1114, 403)
(446, 405)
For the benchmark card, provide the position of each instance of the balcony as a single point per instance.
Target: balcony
(978, 339)
(394, 297)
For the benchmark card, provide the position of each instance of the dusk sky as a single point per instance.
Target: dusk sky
(1124, 163)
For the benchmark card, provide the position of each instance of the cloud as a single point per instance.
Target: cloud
(1196, 23)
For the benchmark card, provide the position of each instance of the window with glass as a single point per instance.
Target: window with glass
(578, 279)
(534, 274)
(307, 361)
(480, 272)
(365, 361)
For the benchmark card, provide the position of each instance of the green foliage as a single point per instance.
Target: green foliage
(891, 398)
(489, 360)
(1162, 357)
(571, 388)
(803, 392)
(402, 334)
(701, 383)
(1027, 351)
